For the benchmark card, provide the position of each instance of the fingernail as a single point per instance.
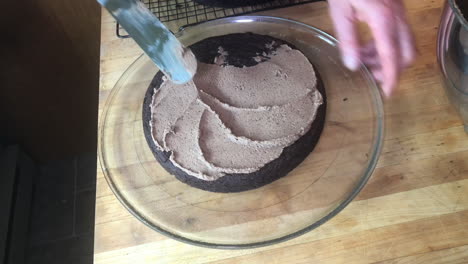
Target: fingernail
(351, 63)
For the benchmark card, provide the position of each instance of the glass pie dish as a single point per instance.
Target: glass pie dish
(320, 187)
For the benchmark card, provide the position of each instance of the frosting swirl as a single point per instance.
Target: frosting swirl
(230, 120)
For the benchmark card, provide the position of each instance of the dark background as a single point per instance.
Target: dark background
(49, 76)
(49, 80)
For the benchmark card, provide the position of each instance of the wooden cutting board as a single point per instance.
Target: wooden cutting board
(413, 210)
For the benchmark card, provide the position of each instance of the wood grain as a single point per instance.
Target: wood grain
(414, 209)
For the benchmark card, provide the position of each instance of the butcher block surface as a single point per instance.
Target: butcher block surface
(414, 209)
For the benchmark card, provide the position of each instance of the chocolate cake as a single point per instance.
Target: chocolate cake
(254, 111)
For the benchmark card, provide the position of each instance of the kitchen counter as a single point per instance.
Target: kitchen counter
(414, 208)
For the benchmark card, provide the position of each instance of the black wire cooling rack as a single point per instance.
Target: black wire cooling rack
(187, 12)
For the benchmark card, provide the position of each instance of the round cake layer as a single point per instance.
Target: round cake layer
(231, 164)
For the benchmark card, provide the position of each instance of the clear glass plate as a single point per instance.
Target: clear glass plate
(320, 187)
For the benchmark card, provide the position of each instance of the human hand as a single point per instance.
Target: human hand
(392, 48)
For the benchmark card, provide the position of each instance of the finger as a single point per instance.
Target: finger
(370, 61)
(344, 23)
(376, 72)
(407, 47)
(368, 49)
(378, 75)
(406, 37)
(384, 30)
(370, 58)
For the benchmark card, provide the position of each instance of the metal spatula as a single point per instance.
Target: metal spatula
(173, 59)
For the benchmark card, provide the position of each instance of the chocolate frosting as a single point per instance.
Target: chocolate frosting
(235, 120)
